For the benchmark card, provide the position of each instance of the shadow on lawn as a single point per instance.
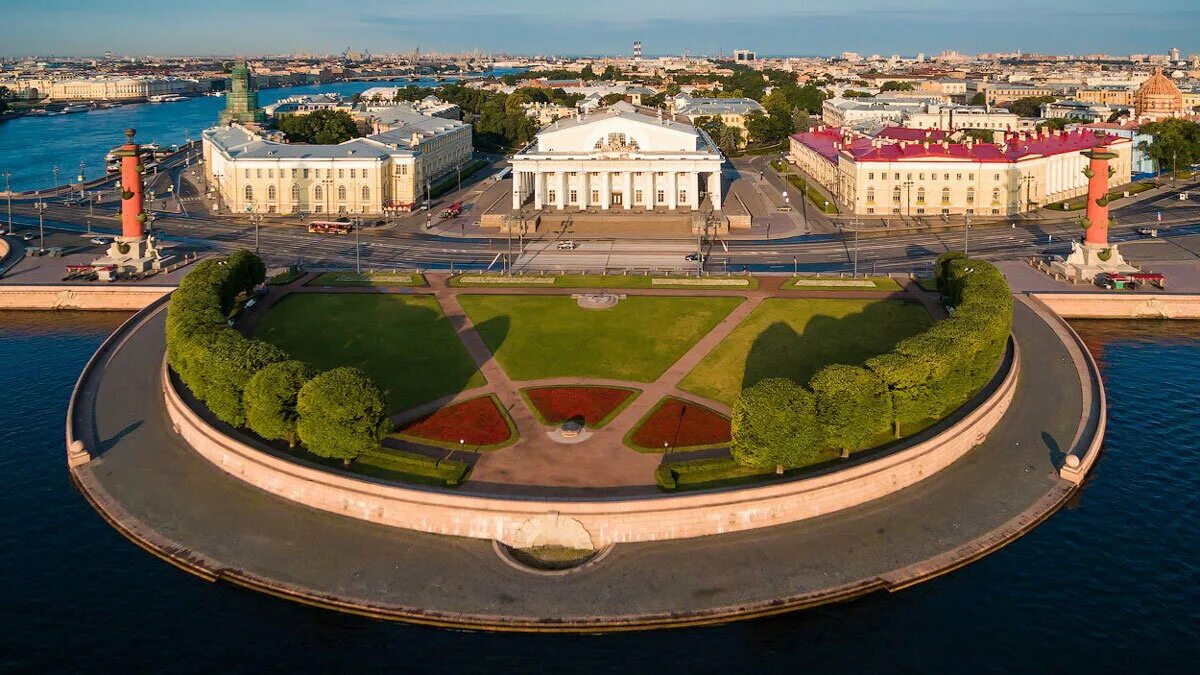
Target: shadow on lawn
(779, 351)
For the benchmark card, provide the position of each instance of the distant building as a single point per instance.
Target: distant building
(731, 111)
(849, 112)
(958, 117)
(303, 104)
(1077, 111)
(241, 103)
(744, 56)
(1158, 98)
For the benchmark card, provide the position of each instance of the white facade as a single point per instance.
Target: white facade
(618, 158)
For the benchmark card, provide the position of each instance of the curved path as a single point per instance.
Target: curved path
(165, 497)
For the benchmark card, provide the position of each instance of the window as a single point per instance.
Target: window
(637, 196)
(271, 193)
(870, 195)
(402, 170)
(595, 196)
(247, 173)
(996, 197)
(683, 196)
(270, 173)
(970, 176)
(897, 176)
(342, 192)
(870, 210)
(249, 193)
(258, 173)
(293, 173)
(366, 193)
(271, 208)
(295, 192)
(871, 176)
(945, 196)
(920, 211)
(896, 195)
(660, 197)
(574, 197)
(958, 176)
(318, 192)
(997, 176)
(354, 173)
(922, 176)
(341, 173)
(971, 195)
(947, 177)
(341, 208)
(551, 196)
(921, 195)
(306, 173)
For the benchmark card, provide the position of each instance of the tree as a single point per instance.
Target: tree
(730, 139)
(270, 399)
(610, 74)
(342, 414)
(851, 93)
(587, 73)
(853, 406)
(1176, 143)
(1056, 123)
(978, 99)
(893, 85)
(609, 99)
(229, 360)
(774, 423)
(1030, 106)
(801, 120)
(320, 127)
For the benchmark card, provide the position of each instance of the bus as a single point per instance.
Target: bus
(329, 227)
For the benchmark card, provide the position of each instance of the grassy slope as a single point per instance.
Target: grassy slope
(601, 281)
(795, 338)
(403, 342)
(881, 284)
(534, 337)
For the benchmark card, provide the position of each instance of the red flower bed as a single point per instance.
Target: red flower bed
(478, 421)
(681, 425)
(593, 404)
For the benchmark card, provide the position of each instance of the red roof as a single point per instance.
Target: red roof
(900, 144)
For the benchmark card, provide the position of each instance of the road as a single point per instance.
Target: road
(405, 243)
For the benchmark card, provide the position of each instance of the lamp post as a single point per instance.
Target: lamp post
(855, 223)
(357, 246)
(82, 178)
(41, 209)
(908, 197)
(91, 202)
(966, 232)
(8, 192)
(55, 177)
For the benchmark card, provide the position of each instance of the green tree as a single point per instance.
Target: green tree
(893, 85)
(320, 127)
(774, 423)
(730, 139)
(801, 120)
(852, 406)
(1056, 123)
(610, 74)
(342, 414)
(978, 99)
(1176, 143)
(270, 399)
(230, 359)
(609, 99)
(1030, 106)
(587, 73)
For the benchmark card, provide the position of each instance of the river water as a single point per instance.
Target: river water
(1110, 584)
(30, 147)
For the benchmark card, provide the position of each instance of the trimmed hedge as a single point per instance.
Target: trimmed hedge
(696, 472)
(217, 363)
(923, 379)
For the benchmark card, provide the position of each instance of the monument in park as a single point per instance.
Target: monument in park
(1095, 255)
(133, 252)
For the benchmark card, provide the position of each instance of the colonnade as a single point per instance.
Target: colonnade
(616, 189)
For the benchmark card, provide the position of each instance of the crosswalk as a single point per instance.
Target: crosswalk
(606, 255)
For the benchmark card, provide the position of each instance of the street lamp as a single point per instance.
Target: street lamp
(41, 209)
(357, 246)
(908, 192)
(56, 177)
(8, 192)
(82, 178)
(966, 232)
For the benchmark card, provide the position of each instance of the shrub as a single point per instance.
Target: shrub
(270, 399)
(774, 423)
(853, 406)
(342, 414)
(231, 359)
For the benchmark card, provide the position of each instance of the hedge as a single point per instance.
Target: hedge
(924, 378)
(694, 472)
(217, 363)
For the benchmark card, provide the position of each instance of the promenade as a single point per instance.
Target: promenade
(160, 493)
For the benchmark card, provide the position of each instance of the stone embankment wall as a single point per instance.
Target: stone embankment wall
(584, 524)
(80, 297)
(1118, 305)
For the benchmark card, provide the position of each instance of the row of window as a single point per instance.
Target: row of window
(318, 193)
(296, 173)
(921, 176)
(660, 197)
(921, 212)
(921, 195)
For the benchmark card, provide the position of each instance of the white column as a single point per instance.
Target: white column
(714, 189)
(673, 190)
(585, 189)
(651, 191)
(516, 178)
(539, 189)
(562, 190)
(693, 188)
(605, 190)
(628, 190)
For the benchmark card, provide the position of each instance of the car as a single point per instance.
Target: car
(1148, 231)
(567, 245)
(99, 241)
(28, 236)
(695, 257)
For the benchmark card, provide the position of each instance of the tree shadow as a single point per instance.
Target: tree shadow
(1057, 456)
(780, 351)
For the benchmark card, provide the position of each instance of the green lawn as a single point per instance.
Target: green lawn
(601, 281)
(368, 279)
(534, 337)
(403, 342)
(841, 284)
(795, 338)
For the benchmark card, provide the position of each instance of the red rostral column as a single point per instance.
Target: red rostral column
(1097, 203)
(131, 189)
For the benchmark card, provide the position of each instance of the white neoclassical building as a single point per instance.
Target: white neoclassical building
(618, 159)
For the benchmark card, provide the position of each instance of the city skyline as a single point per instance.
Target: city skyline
(701, 27)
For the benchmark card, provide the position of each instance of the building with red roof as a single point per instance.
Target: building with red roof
(920, 172)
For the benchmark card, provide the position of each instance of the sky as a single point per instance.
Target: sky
(596, 27)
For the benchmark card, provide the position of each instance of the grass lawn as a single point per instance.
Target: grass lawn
(841, 284)
(403, 342)
(795, 338)
(601, 281)
(368, 279)
(551, 336)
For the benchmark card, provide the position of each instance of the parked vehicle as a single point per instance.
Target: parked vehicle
(695, 257)
(567, 245)
(28, 236)
(1148, 231)
(452, 211)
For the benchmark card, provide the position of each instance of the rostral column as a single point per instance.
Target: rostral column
(133, 215)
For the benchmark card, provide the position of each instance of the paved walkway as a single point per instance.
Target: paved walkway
(155, 489)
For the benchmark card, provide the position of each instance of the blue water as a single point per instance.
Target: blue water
(1110, 584)
(30, 147)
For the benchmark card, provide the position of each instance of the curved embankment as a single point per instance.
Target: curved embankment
(163, 495)
(80, 297)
